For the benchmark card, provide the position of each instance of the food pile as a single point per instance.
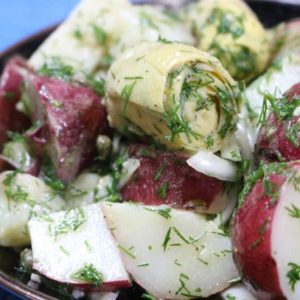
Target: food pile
(151, 153)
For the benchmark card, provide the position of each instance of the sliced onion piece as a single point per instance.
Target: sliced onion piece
(129, 167)
(214, 166)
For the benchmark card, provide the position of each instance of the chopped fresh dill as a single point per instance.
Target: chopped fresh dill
(263, 172)
(227, 22)
(97, 85)
(64, 250)
(177, 125)
(127, 251)
(88, 273)
(183, 290)
(163, 40)
(202, 261)
(146, 20)
(100, 35)
(292, 132)
(180, 235)
(164, 212)
(126, 93)
(70, 222)
(78, 34)
(16, 137)
(148, 296)
(163, 190)
(88, 246)
(50, 176)
(230, 297)
(293, 275)
(282, 107)
(226, 103)
(167, 239)
(55, 68)
(143, 265)
(294, 211)
(159, 172)
(14, 192)
(133, 77)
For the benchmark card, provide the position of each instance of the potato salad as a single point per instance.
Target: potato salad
(154, 153)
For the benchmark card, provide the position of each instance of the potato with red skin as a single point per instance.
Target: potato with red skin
(279, 138)
(10, 93)
(262, 230)
(71, 117)
(165, 178)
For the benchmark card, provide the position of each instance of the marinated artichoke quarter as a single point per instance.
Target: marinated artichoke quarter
(177, 94)
(230, 31)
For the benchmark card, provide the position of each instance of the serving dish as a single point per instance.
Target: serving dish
(270, 12)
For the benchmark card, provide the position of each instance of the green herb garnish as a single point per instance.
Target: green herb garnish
(163, 190)
(70, 222)
(126, 93)
(294, 211)
(293, 275)
(88, 273)
(55, 68)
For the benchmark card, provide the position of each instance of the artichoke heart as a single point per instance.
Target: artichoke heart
(177, 94)
(230, 31)
(98, 31)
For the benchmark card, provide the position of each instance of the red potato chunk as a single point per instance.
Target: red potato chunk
(279, 138)
(10, 93)
(264, 229)
(71, 117)
(165, 178)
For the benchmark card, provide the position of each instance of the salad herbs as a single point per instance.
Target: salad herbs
(72, 220)
(294, 211)
(127, 251)
(293, 275)
(88, 273)
(126, 93)
(163, 190)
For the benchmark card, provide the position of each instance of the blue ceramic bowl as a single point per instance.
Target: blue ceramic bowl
(270, 13)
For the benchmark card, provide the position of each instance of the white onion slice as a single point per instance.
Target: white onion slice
(129, 167)
(246, 137)
(213, 166)
(227, 212)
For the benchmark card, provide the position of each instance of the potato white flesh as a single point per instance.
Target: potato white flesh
(173, 254)
(284, 242)
(64, 243)
(23, 196)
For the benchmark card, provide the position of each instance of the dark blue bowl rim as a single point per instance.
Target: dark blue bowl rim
(7, 282)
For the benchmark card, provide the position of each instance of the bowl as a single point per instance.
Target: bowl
(269, 12)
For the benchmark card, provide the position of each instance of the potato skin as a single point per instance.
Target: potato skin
(71, 117)
(279, 139)
(252, 229)
(10, 93)
(184, 187)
